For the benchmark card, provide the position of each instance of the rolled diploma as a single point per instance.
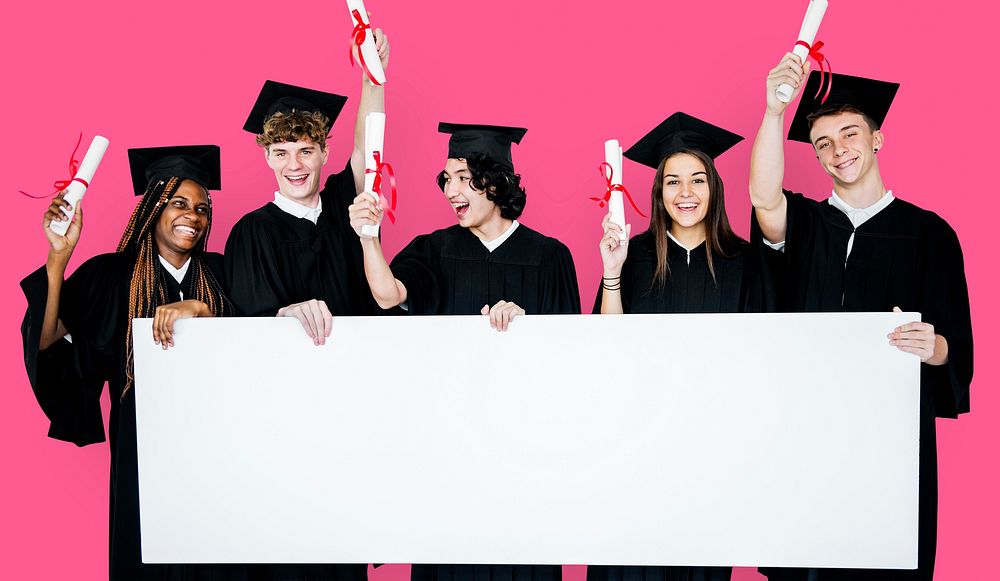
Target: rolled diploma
(368, 46)
(374, 139)
(75, 190)
(807, 34)
(613, 156)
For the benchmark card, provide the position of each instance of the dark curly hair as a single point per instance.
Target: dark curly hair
(498, 180)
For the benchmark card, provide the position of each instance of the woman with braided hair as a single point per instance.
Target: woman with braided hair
(78, 333)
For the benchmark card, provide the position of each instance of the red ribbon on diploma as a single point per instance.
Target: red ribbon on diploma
(824, 67)
(607, 172)
(74, 165)
(359, 37)
(388, 205)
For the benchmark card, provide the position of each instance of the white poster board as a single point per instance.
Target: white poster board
(738, 439)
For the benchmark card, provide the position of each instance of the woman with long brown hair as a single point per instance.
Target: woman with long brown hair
(78, 333)
(688, 261)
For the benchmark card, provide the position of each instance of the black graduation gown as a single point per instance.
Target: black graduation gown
(689, 288)
(450, 272)
(903, 256)
(68, 379)
(274, 259)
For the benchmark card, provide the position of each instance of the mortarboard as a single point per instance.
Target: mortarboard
(492, 140)
(868, 95)
(277, 97)
(678, 132)
(200, 163)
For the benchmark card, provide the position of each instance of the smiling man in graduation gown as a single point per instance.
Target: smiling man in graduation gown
(488, 263)
(864, 249)
(296, 256)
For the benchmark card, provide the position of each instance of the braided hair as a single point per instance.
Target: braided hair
(148, 288)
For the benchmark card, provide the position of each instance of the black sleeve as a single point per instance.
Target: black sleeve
(68, 377)
(338, 194)
(772, 271)
(559, 292)
(252, 277)
(945, 304)
(414, 266)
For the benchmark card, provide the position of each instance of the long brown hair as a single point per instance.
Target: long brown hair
(148, 288)
(719, 236)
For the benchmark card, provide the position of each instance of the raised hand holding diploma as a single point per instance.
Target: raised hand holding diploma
(366, 42)
(81, 181)
(804, 47)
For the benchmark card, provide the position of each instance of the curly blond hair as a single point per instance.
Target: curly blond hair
(295, 125)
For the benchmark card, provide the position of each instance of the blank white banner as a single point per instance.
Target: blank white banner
(777, 440)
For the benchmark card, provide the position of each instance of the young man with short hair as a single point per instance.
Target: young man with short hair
(297, 256)
(863, 249)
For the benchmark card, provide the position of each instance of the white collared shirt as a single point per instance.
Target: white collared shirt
(496, 242)
(857, 217)
(298, 210)
(176, 273)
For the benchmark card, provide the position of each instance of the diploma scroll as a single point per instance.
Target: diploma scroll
(78, 186)
(369, 56)
(616, 203)
(807, 35)
(374, 140)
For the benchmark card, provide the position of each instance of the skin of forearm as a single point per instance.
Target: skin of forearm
(52, 328)
(611, 302)
(940, 356)
(372, 101)
(387, 291)
(767, 163)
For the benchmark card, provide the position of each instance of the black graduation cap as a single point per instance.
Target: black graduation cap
(492, 140)
(678, 132)
(200, 163)
(869, 95)
(275, 97)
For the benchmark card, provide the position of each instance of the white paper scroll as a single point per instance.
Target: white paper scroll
(78, 187)
(807, 34)
(616, 204)
(721, 439)
(368, 46)
(374, 141)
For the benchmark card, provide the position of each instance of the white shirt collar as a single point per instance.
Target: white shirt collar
(298, 210)
(859, 216)
(495, 243)
(678, 242)
(177, 273)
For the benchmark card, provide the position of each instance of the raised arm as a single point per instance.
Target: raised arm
(60, 251)
(767, 161)
(386, 289)
(372, 100)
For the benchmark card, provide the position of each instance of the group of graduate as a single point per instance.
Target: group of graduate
(305, 255)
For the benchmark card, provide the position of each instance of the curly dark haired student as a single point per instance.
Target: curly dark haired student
(498, 180)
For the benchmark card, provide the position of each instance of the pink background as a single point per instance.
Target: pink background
(146, 74)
